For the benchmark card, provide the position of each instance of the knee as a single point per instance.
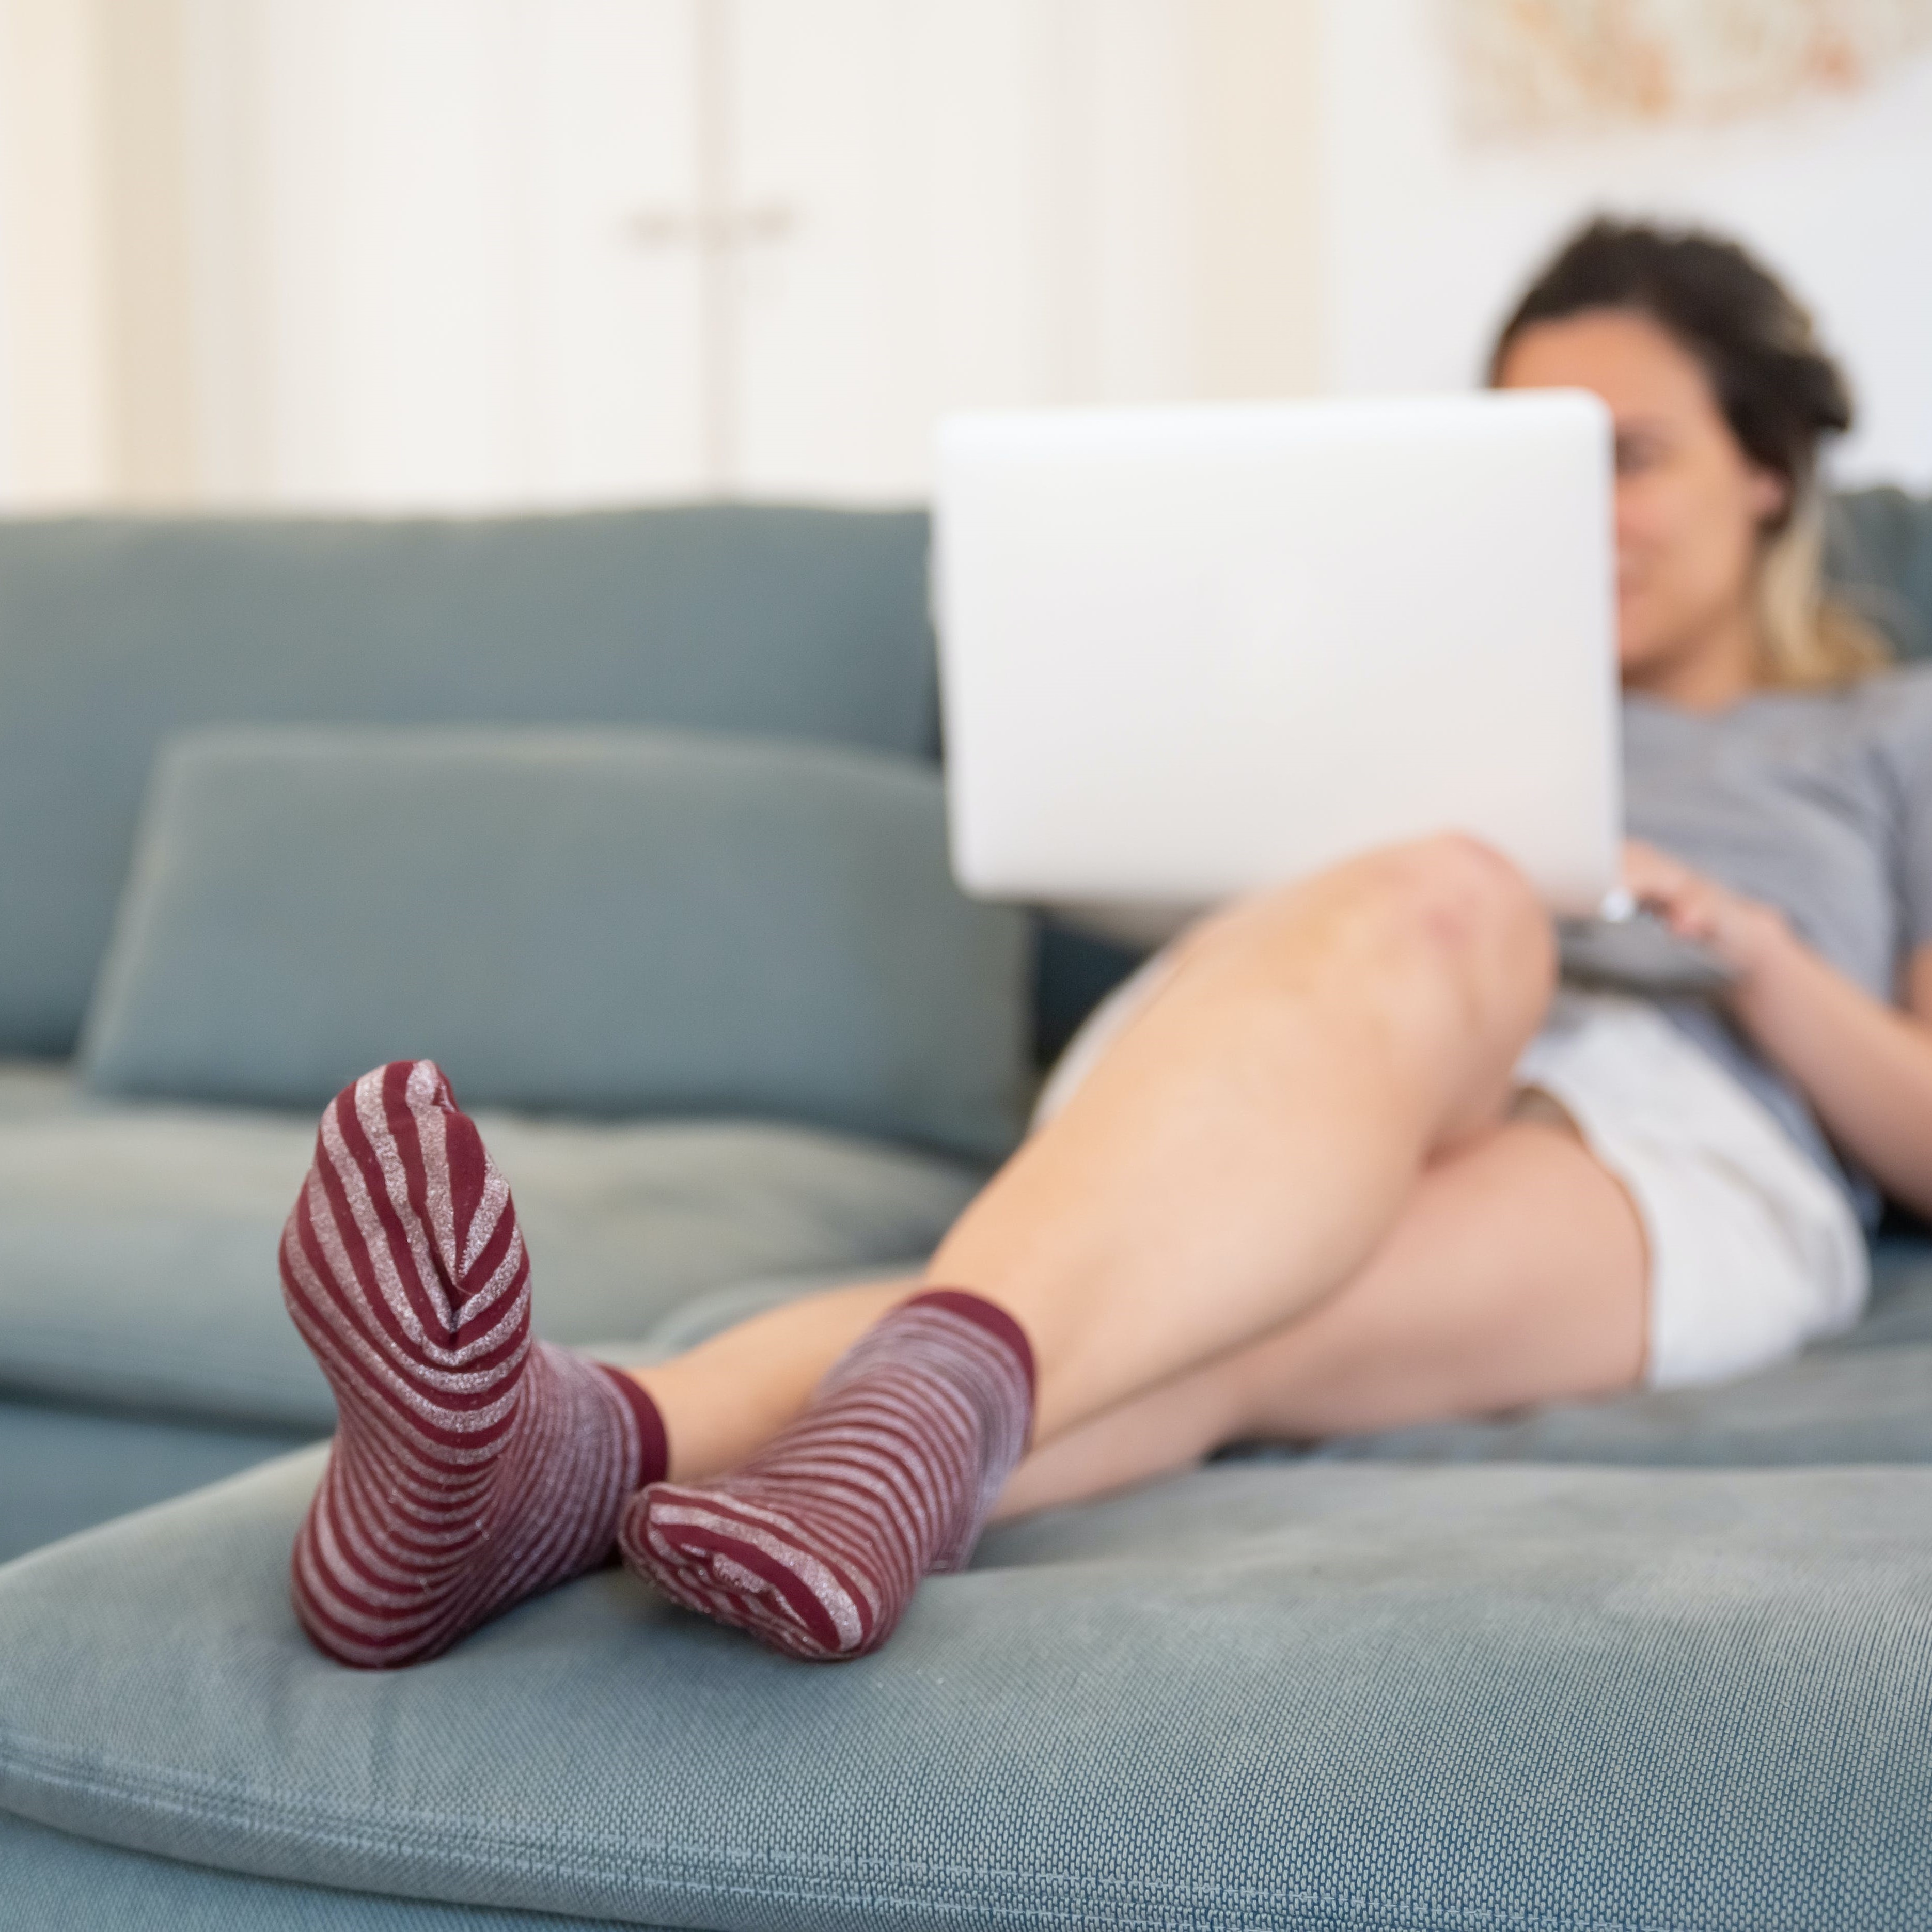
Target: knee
(1461, 890)
(1459, 902)
(1448, 912)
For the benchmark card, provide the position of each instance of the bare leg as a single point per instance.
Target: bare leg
(1516, 1275)
(724, 1399)
(1240, 1151)
(1254, 1133)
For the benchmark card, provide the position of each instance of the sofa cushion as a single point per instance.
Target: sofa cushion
(137, 1243)
(1878, 556)
(59, 1882)
(627, 923)
(1342, 1697)
(1900, 1307)
(68, 1469)
(56, 1882)
(116, 632)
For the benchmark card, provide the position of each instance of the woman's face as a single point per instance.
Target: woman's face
(1691, 506)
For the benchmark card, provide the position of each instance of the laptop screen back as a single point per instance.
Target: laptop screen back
(1189, 651)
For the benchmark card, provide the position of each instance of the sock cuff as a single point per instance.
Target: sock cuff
(654, 1445)
(984, 1315)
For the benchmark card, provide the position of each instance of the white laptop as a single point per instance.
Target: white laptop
(1188, 652)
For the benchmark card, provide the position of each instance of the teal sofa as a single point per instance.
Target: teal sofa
(633, 819)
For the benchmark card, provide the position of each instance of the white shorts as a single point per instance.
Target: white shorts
(1753, 1252)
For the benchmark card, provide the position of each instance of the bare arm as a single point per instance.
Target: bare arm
(1866, 1067)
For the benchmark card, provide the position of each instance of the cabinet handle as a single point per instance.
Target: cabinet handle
(660, 227)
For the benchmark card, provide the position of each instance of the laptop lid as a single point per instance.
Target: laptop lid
(1188, 652)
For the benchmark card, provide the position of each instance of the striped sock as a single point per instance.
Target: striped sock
(816, 1545)
(472, 1465)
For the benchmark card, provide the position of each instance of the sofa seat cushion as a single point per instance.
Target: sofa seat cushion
(137, 1243)
(67, 1469)
(1274, 1697)
(56, 1882)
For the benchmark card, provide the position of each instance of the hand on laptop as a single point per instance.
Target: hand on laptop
(1741, 932)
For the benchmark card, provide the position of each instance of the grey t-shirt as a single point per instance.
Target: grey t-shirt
(1818, 803)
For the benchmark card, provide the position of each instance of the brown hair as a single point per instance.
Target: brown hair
(1778, 390)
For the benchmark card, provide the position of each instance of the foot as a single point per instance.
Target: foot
(472, 1466)
(816, 1545)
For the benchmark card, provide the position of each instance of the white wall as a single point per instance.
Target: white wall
(1425, 239)
(55, 334)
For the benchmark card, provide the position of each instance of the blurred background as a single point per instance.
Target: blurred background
(474, 253)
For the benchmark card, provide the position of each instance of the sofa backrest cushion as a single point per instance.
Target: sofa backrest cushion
(115, 633)
(1878, 553)
(614, 923)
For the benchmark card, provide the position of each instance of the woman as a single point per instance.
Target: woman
(1342, 1159)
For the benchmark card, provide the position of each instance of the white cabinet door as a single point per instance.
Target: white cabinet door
(611, 280)
(426, 264)
(478, 252)
(984, 203)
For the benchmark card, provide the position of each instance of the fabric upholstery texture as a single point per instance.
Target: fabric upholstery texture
(117, 632)
(1879, 552)
(137, 1243)
(628, 923)
(1313, 1696)
(66, 1469)
(56, 1882)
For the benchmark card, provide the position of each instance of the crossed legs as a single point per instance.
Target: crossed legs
(1514, 1275)
(1290, 1196)
(1287, 1200)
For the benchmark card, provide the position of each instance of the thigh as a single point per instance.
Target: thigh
(1244, 1143)
(1516, 1274)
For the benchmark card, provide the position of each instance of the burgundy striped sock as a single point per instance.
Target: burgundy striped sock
(472, 1466)
(816, 1545)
